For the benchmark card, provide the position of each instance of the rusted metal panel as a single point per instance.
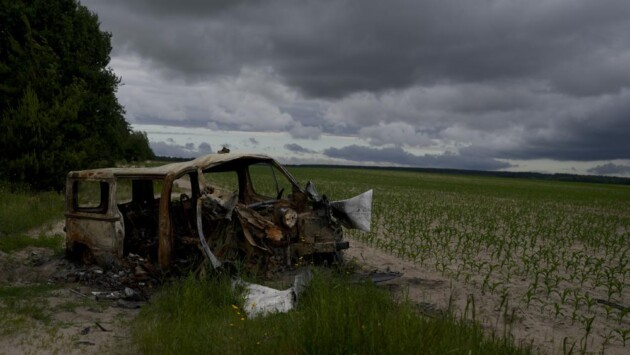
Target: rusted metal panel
(165, 234)
(176, 169)
(260, 226)
(99, 236)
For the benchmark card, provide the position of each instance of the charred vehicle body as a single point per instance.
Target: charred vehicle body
(220, 208)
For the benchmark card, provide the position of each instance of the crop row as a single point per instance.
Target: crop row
(560, 249)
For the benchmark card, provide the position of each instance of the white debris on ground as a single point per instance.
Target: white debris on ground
(262, 300)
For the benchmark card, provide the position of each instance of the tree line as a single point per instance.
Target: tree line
(58, 105)
(596, 179)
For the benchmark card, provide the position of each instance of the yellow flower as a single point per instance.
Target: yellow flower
(242, 318)
(234, 306)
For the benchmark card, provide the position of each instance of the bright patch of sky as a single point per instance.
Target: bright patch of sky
(192, 142)
(187, 141)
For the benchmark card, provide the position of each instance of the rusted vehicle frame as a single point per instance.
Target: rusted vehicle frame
(98, 231)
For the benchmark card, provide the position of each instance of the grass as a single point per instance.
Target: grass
(23, 210)
(9, 244)
(334, 316)
(22, 306)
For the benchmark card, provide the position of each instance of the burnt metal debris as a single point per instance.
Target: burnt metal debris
(130, 280)
(242, 210)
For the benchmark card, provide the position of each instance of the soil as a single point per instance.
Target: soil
(79, 323)
(100, 322)
(436, 294)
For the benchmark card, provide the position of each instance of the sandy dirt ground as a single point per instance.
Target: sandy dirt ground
(435, 294)
(78, 323)
(82, 325)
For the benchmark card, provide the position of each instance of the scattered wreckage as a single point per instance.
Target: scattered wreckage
(220, 209)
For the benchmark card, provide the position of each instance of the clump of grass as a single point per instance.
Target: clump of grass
(21, 306)
(13, 243)
(188, 316)
(333, 317)
(23, 209)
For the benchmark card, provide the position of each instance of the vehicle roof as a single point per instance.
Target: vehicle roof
(176, 169)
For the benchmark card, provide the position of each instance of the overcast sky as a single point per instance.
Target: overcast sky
(540, 85)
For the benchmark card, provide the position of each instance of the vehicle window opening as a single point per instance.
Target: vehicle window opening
(140, 215)
(221, 184)
(90, 196)
(269, 183)
(183, 206)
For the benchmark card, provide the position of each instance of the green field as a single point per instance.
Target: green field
(560, 249)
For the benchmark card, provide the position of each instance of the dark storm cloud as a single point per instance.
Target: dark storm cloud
(398, 156)
(185, 9)
(611, 169)
(489, 80)
(330, 49)
(598, 132)
(296, 148)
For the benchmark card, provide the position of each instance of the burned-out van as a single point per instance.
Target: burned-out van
(219, 208)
